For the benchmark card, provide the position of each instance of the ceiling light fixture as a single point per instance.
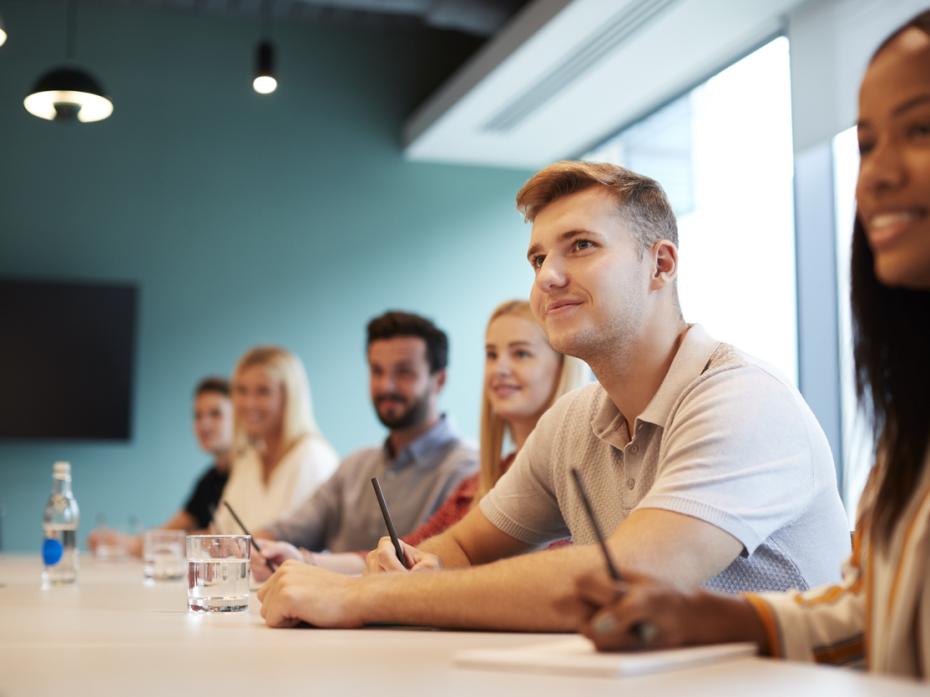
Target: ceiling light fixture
(265, 81)
(67, 93)
(2, 31)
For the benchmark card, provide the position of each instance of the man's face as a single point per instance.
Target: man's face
(592, 277)
(402, 390)
(213, 422)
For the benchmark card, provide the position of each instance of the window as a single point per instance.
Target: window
(857, 436)
(723, 152)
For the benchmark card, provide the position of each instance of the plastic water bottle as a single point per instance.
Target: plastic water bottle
(60, 524)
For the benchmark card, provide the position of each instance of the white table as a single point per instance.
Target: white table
(111, 635)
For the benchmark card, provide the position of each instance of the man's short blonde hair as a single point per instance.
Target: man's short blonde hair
(640, 200)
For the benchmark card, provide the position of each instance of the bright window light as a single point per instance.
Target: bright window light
(857, 436)
(724, 154)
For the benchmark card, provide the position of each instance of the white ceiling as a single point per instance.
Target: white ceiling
(563, 75)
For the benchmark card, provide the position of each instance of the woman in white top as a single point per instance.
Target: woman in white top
(879, 615)
(280, 457)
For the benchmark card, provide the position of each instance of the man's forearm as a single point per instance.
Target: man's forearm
(448, 549)
(518, 593)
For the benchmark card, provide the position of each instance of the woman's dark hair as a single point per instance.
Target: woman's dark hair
(919, 21)
(891, 344)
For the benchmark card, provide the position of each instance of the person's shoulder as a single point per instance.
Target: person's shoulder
(447, 440)
(362, 456)
(738, 387)
(748, 377)
(211, 474)
(316, 445)
(460, 453)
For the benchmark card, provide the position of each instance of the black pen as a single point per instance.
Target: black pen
(258, 549)
(644, 631)
(390, 523)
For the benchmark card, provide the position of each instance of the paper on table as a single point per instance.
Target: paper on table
(577, 656)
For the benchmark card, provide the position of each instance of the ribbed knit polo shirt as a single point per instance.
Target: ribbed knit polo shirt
(725, 439)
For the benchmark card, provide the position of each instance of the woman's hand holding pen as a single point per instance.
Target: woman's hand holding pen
(384, 558)
(678, 617)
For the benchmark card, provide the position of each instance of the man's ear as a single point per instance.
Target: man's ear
(665, 264)
(440, 377)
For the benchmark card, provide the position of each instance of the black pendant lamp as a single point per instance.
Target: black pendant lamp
(68, 93)
(265, 81)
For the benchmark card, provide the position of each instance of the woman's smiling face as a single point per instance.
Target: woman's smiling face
(520, 368)
(893, 190)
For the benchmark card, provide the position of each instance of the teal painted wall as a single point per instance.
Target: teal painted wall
(291, 219)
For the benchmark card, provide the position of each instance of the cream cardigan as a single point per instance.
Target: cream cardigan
(258, 503)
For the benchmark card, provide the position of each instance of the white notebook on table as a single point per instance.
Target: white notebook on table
(577, 656)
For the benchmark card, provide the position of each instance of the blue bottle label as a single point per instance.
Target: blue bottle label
(51, 551)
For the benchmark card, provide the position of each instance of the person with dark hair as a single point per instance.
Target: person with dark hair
(879, 615)
(213, 427)
(213, 424)
(395, 323)
(704, 463)
(420, 463)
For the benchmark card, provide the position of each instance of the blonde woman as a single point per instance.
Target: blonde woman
(523, 376)
(280, 457)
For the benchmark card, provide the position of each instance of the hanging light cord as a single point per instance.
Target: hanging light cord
(266, 19)
(70, 29)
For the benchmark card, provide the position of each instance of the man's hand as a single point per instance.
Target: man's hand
(302, 593)
(384, 558)
(275, 552)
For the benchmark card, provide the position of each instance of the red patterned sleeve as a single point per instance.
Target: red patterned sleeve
(452, 510)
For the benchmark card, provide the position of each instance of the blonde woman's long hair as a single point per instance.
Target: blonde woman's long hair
(288, 370)
(573, 373)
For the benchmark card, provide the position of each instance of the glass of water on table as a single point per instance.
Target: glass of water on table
(163, 555)
(218, 573)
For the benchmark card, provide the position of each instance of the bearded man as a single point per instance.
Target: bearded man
(420, 463)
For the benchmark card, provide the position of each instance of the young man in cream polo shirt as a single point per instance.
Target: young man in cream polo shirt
(706, 466)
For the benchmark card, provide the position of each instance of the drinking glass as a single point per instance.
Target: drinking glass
(218, 573)
(163, 555)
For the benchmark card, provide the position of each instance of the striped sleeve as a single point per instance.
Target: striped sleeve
(823, 625)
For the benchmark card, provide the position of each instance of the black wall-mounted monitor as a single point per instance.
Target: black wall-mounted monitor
(66, 359)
